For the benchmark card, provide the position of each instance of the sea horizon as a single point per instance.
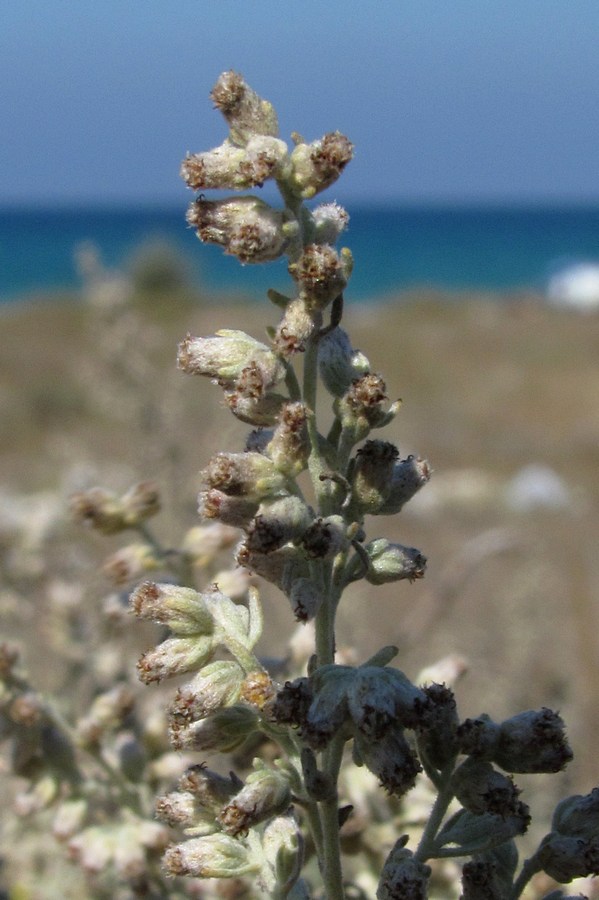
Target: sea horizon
(490, 247)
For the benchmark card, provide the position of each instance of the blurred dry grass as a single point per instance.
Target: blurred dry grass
(488, 387)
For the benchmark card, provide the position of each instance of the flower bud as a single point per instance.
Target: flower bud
(281, 567)
(482, 789)
(339, 364)
(371, 475)
(225, 355)
(217, 684)
(182, 609)
(295, 328)
(151, 835)
(564, 858)
(478, 737)
(100, 509)
(250, 404)
(211, 790)
(255, 383)
(257, 689)
(289, 446)
(266, 793)
(409, 475)
(107, 713)
(403, 876)
(224, 730)
(203, 543)
(363, 406)
(438, 725)
(304, 597)
(325, 537)
(246, 113)
(244, 475)
(329, 220)
(246, 227)
(277, 522)
(291, 705)
(533, 741)
(232, 511)
(212, 856)
(141, 502)
(235, 168)
(108, 513)
(317, 165)
(321, 275)
(288, 568)
(328, 711)
(178, 808)
(393, 562)
(380, 698)
(480, 880)
(389, 758)
(578, 816)
(174, 656)
(131, 563)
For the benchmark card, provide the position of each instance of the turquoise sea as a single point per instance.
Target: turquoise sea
(490, 249)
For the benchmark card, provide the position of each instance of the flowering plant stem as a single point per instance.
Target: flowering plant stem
(426, 846)
(311, 548)
(324, 630)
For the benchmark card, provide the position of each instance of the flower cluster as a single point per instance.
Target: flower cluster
(217, 813)
(300, 497)
(119, 840)
(311, 548)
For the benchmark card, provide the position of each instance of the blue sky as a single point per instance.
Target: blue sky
(445, 100)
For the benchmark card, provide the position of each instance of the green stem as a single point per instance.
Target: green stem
(316, 464)
(332, 875)
(426, 847)
(246, 659)
(329, 850)
(310, 807)
(325, 617)
(334, 757)
(334, 433)
(144, 531)
(332, 872)
(431, 772)
(338, 581)
(529, 868)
